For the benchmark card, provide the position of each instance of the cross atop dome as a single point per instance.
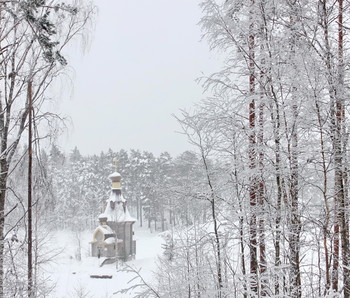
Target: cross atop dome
(115, 163)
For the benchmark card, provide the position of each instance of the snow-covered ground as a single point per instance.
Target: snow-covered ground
(72, 277)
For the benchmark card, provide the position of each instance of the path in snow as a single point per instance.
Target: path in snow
(72, 277)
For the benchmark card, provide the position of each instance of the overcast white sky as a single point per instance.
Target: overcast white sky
(141, 67)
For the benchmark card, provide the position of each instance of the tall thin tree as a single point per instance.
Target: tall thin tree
(30, 166)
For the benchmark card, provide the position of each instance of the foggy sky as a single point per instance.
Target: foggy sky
(141, 67)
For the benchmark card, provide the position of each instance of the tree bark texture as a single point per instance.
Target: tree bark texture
(30, 220)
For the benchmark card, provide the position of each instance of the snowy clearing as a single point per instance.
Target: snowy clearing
(72, 277)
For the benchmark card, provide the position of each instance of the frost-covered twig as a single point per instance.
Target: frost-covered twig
(146, 289)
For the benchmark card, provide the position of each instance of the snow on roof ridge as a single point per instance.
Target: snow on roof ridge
(105, 229)
(110, 240)
(114, 174)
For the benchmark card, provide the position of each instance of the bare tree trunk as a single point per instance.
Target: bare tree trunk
(3, 174)
(216, 227)
(280, 191)
(241, 239)
(335, 254)
(261, 156)
(252, 157)
(295, 228)
(241, 224)
(336, 113)
(3, 186)
(261, 199)
(325, 228)
(30, 228)
(340, 150)
(295, 224)
(5, 160)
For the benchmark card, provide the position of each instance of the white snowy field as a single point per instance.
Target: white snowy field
(72, 277)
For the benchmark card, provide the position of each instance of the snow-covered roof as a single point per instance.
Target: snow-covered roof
(114, 197)
(114, 175)
(105, 229)
(102, 215)
(110, 240)
(120, 213)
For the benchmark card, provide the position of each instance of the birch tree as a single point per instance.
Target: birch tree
(32, 39)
